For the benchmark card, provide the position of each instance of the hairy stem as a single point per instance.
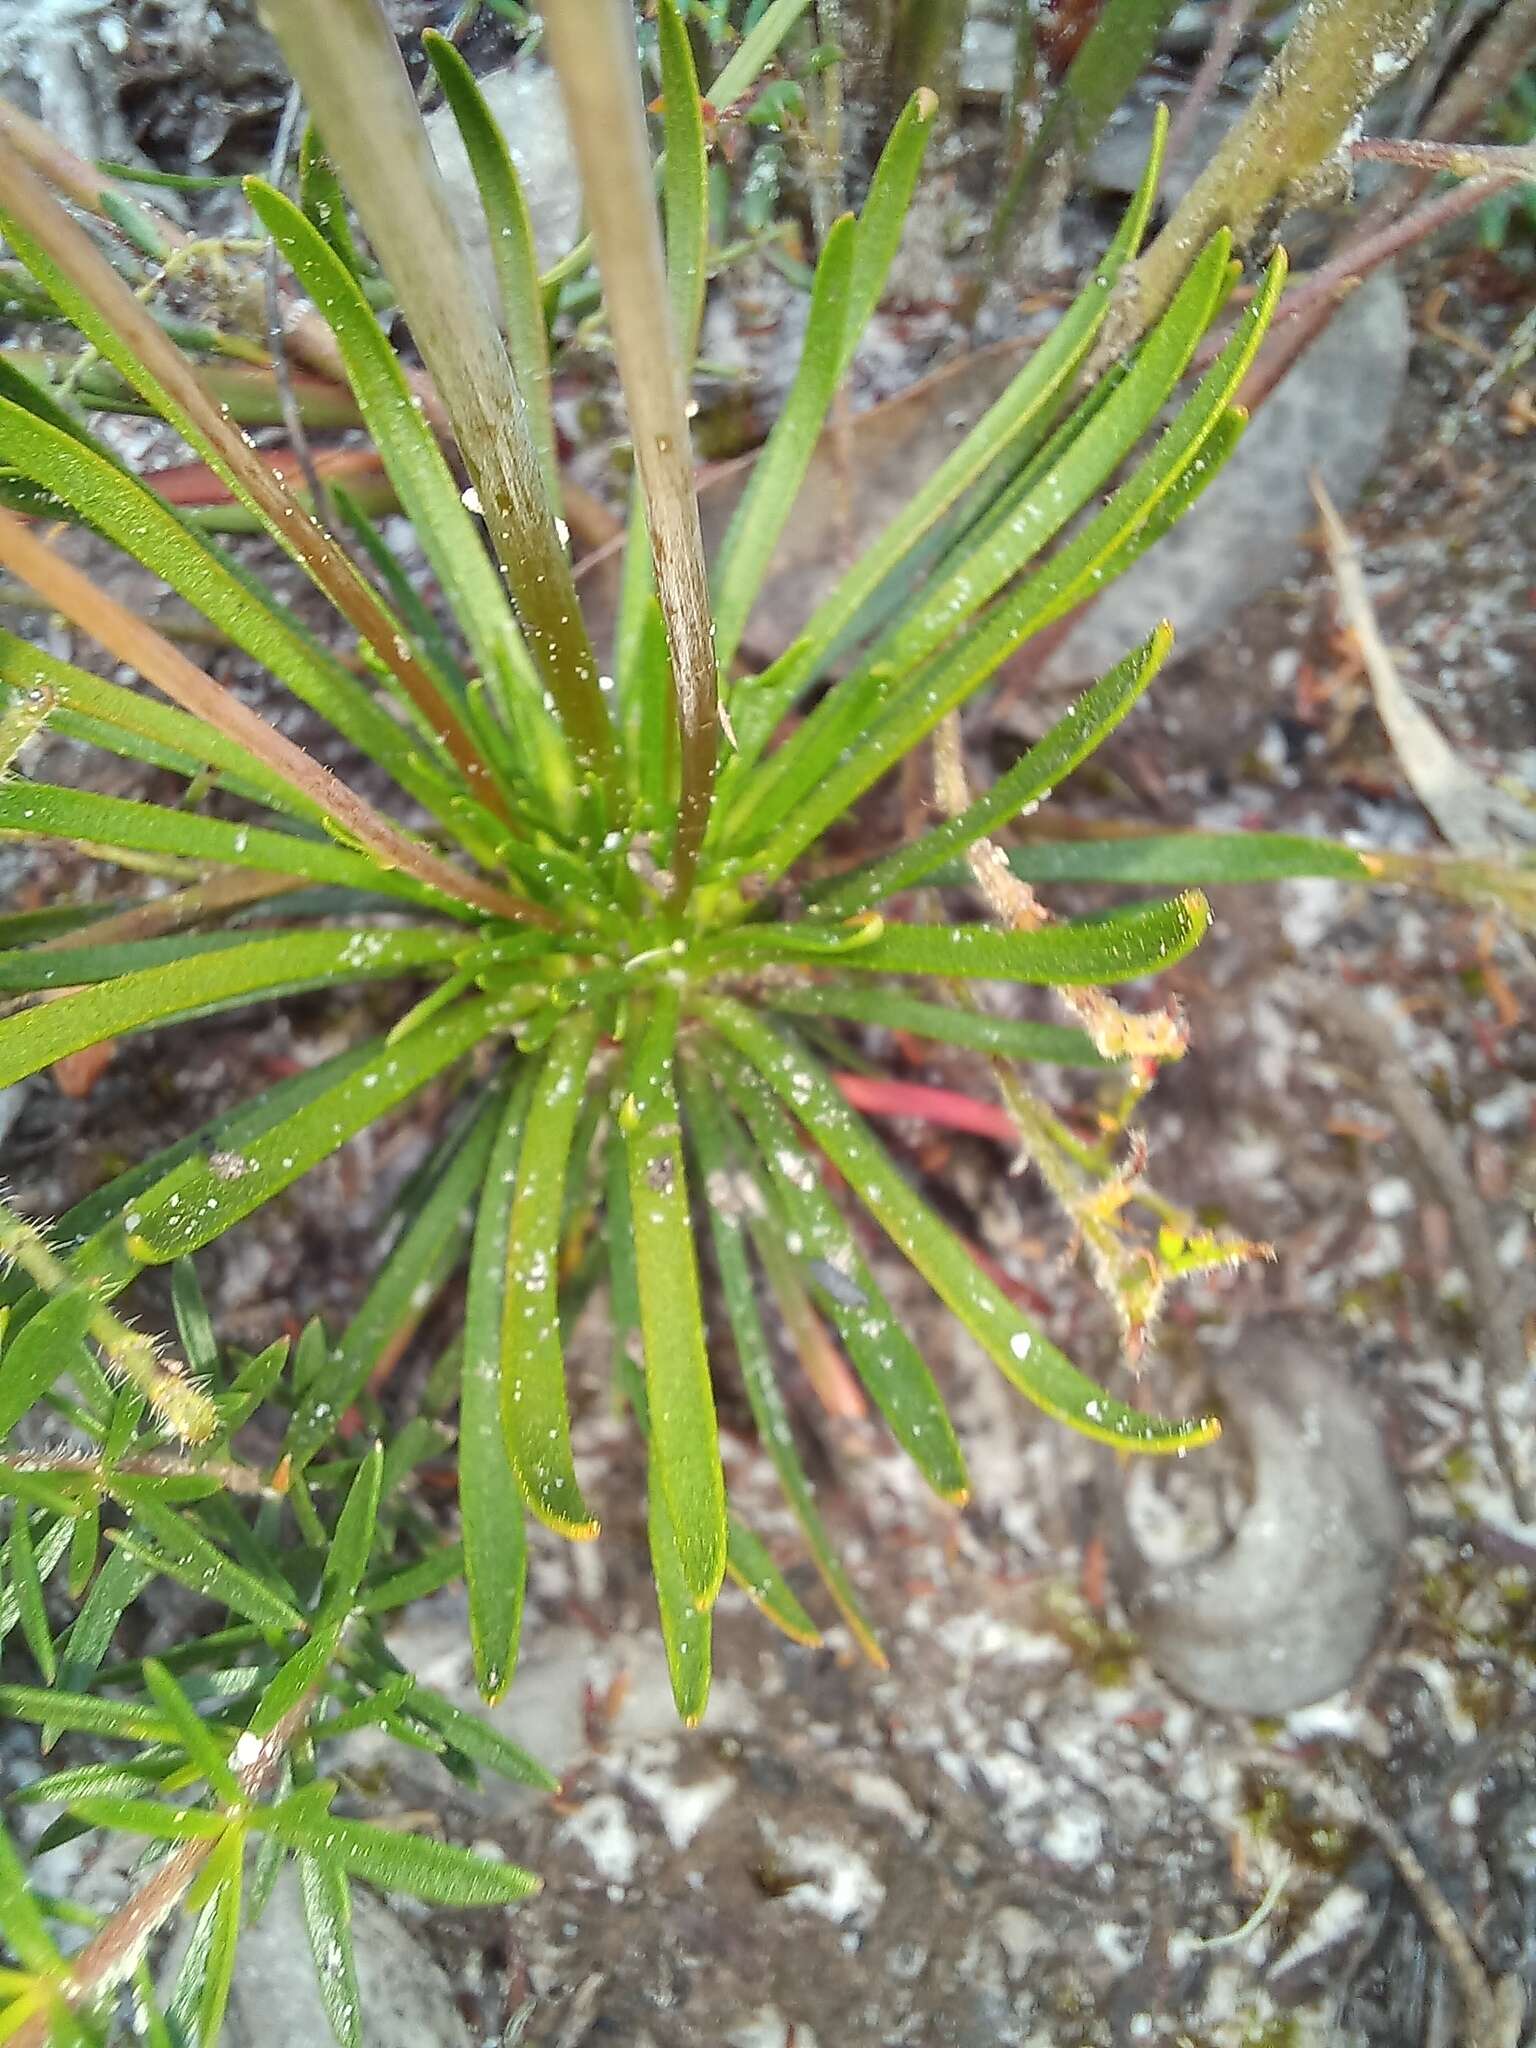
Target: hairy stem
(175, 1399)
(1335, 60)
(114, 1951)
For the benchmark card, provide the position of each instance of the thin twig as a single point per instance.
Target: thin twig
(1488, 2020)
(287, 398)
(1459, 159)
(1386, 1074)
(1213, 68)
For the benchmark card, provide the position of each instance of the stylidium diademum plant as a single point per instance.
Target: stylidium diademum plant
(618, 929)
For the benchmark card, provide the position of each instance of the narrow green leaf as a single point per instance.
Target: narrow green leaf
(323, 200)
(115, 1588)
(252, 1385)
(886, 1360)
(1031, 513)
(439, 1872)
(684, 1437)
(1142, 939)
(1181, 859)
(780, 469)
(189, 1556)
(754, 52)
(130, 514)
(296, 1676)
(148, 2019)
(751, 1565)
(26, 1582)
(685, 182)
(476, 1739)
(1037, 512)
(1025, 785)
(84, 1544)
(685, 1626)
(406, 598)
(439, 1568)
(45, 968)
(416, 1269)
(490, 1504)
(352, 1542)
(199, 1200)
(822, 785)
(534, 1410)
(84, 1780)
(1020, 1351)
(56, 1541)
(150, 1817)
(1009, 1038)
(754, 1354)
(110, 713)
(884, 214)
(41, 810)
(202, 1746)
(39, 1492)
(194, 1325)
(93, 1226)
(511, 241)
(40, 1353)
(192, 987)
(86, 1713)
(1012, 421)
(224, 1869)
(327, 1902)
(21, 1918)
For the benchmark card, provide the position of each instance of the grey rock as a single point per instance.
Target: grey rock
(1332, 413)
(407, 2000)
(987, 56)
(1120, 155)
(1285, 1611)
(525, 102)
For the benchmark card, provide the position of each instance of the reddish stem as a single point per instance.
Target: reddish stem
(946, 1107)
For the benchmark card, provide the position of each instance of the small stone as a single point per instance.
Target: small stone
(525, 102)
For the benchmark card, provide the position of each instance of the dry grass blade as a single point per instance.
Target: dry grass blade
(163, 915)
(345, 59)
(66, 590)
(592, 45)
(1466, 809)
